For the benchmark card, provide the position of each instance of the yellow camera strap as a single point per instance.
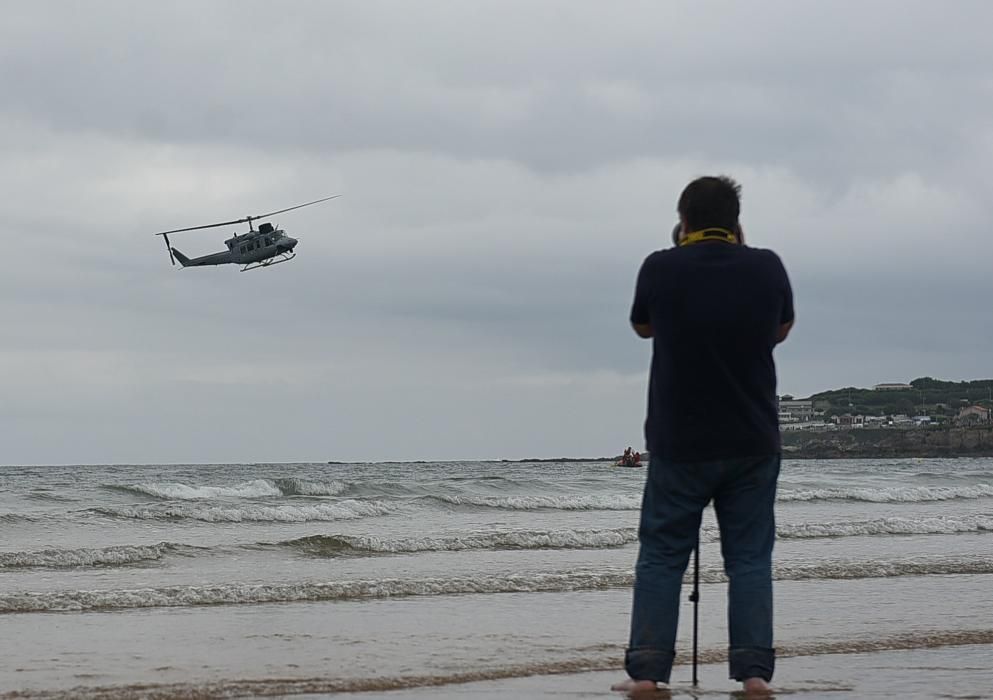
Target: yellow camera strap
(709, 234)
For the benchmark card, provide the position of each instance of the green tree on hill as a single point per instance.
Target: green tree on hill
(926, 390)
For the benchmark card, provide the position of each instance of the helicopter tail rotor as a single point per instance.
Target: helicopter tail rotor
(169, 248)
(183, 260)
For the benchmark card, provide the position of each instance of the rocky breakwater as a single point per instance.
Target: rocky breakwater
(889, 442)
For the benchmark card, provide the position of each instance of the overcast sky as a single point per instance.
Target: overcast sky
(505, 167)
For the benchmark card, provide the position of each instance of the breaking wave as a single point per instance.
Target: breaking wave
(899, 494)
(346, 545)
(338, 545)
(240, 594)
(902, 494)
(275, 488)
(534, 582)
(936, 525)
(873, 568)
(257, 488)
(17, 517)
(547, 502)
(50, 496)
(341, 510)
(302, 487)
(79, 558)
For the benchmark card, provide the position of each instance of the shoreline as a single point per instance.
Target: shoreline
(912, 674)
(841, 454)
(791, 454)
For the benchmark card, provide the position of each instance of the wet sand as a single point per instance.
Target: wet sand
(920, 674)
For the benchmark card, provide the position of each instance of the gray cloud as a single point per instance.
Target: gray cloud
(505, 167)
(825, 89)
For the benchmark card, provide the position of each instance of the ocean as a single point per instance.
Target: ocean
(262, 580)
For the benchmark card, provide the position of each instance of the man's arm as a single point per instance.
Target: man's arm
(788, 314)
(640, 317)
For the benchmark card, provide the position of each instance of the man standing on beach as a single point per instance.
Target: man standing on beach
(714, 309)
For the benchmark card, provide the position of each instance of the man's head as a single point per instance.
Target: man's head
(710, 202)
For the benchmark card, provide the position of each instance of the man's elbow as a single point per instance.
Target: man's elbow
(784, 330)
(644, 330)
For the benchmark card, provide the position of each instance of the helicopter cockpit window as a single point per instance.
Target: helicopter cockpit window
(268, 240)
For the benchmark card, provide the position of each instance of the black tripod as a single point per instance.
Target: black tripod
(695, 599)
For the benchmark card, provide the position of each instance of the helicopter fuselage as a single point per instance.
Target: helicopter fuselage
(252, 248)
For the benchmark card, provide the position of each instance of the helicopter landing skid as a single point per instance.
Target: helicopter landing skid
(281, 258)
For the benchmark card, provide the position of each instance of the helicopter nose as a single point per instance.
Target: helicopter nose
(288, 243)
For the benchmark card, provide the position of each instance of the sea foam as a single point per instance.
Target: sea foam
(341, 510)
(257, 488)
(897, 494)
(344, 545)
(89, 557)
(511, 582)
(548, 502)
(935, 525)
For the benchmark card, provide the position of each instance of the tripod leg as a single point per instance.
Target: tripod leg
(695, 598)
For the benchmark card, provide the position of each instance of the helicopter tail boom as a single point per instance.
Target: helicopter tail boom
(222, 258)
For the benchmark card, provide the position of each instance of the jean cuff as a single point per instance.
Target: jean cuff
(647, 664)
(751, 662)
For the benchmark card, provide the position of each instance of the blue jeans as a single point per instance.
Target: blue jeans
(744, 495)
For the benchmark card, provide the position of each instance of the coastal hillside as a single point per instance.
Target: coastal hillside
(926, 417)
(933, 397)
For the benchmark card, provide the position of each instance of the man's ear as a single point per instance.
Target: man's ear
(680, 230)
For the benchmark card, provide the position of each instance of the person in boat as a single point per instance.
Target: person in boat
(625, 460)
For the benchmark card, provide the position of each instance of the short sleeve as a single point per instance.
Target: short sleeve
(787, 313)
(640, 314)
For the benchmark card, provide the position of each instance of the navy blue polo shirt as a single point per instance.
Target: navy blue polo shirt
(715, 309)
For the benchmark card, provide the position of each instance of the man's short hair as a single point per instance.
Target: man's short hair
(711, 202)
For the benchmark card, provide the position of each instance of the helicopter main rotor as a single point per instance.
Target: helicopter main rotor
(248, 219)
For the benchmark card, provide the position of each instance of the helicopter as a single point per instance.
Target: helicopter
(258, 248)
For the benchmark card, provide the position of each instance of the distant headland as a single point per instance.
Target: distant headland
(925, 417)
(865, 443)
